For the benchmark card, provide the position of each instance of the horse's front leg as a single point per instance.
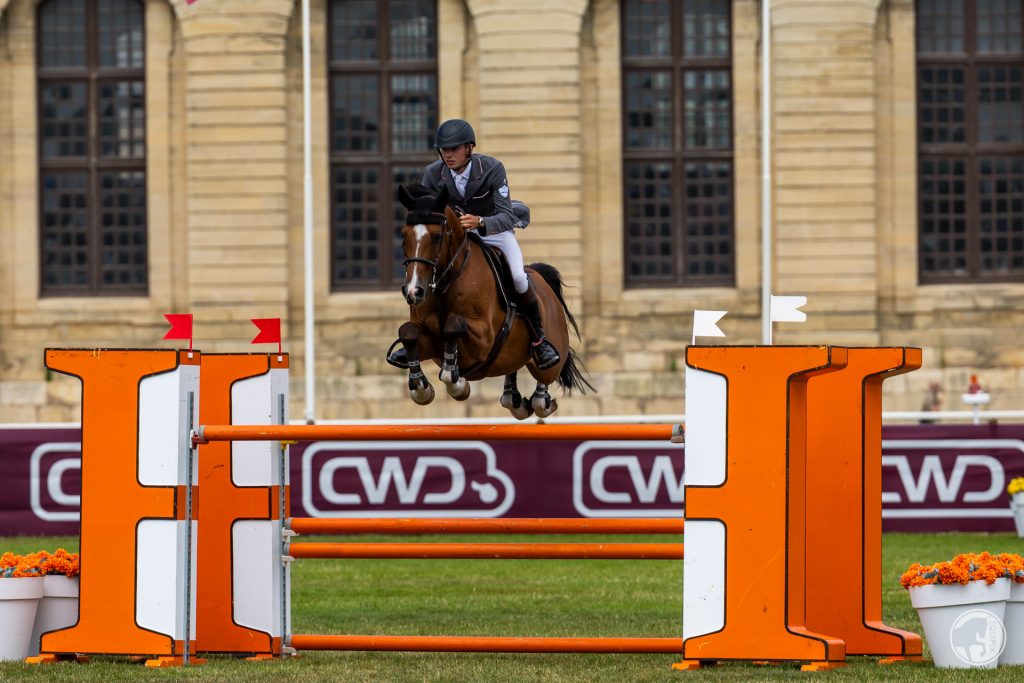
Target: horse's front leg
(512, 400)
(454, 331)
(419, 387)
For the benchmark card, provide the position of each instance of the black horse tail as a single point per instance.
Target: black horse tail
(572, 377)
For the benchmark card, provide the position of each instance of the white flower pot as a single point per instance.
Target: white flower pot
(18, 601)
(1013, 653)
(1017, 506)
(58, 608)
(963, 623)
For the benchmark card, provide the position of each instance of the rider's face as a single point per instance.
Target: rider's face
(456, 158)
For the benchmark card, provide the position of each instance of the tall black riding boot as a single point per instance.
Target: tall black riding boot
(545, 354)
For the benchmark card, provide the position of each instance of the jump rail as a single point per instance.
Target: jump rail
(489, 551)
(494, 432)
(487, 644)
(536, 525)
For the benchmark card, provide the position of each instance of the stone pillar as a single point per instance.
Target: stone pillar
(530, 114)
(824, 154)
(236, 152)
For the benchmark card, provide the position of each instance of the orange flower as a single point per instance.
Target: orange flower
(39, 564)
(964, 568)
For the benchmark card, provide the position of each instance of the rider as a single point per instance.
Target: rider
(478, 191)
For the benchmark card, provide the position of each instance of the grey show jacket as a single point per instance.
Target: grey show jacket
(487, 192)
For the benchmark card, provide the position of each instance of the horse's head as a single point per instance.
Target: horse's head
(426, 237)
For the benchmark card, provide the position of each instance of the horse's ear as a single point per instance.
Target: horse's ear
(406, 198)
(442, 199)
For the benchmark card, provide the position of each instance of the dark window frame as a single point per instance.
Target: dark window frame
(969, 152)
(94, 164)
(386, 161)
(677, 64)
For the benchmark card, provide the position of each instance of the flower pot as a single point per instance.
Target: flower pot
(18, 601)
(963, 623)
(1013, 653)
(58, 608)
(1017, 506)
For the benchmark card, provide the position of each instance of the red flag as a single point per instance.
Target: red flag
(270, 331)
(181, 327)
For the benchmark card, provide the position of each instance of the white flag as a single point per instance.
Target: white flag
(704, 324)
(786, 309)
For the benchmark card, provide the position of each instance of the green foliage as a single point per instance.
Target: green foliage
(516, 597)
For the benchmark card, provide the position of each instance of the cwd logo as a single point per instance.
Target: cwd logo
(412, 478)
(627, 479)
(947, 477)
(55, 481)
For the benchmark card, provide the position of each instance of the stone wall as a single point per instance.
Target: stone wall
(540, 81)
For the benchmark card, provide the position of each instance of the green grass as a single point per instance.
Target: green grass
(516, 597)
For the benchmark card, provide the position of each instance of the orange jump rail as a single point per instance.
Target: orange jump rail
(487, 644)
(446, 525)
(498, 432)
(490, 551)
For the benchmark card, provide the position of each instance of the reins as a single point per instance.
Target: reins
(436, 279)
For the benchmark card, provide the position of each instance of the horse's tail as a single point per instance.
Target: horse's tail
(572, 377)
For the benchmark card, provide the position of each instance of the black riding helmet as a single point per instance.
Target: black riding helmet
(454, 132)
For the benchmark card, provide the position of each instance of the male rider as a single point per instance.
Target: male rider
(478, 192)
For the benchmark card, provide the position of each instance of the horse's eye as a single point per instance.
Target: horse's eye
(435, 237)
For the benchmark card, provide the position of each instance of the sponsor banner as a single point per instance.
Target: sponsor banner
(934, 478)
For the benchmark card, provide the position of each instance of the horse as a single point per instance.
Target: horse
(460, 320)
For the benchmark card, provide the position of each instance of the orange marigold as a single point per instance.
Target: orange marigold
(964, 568)
(39, 564)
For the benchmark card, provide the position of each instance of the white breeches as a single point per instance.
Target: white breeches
(506, 241)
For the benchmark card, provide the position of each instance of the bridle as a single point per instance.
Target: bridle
(437, 278)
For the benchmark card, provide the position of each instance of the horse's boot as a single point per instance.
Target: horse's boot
(545, 354)
(398, 357)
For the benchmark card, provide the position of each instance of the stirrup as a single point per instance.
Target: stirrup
(398, 358)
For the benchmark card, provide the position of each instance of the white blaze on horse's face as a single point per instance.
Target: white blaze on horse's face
(417, 275)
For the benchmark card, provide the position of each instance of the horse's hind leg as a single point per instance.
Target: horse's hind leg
(458, 387)
(513, 401)
(542, 402)
(419, 387)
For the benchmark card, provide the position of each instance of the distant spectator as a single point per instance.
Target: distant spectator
(932, 401)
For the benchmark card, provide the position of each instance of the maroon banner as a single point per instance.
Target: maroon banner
(935, 478)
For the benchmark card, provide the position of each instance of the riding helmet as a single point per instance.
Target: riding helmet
(454, 132)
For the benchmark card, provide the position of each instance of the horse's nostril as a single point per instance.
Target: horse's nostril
(405, 291)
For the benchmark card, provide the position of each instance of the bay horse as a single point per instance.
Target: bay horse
(460, 320)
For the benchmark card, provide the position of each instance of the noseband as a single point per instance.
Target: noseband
(436, 278)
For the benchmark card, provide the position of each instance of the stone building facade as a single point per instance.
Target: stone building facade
(544, 85)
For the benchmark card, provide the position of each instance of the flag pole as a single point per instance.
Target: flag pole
(766, 172)
(307, 223)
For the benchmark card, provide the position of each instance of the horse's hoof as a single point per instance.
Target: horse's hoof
(423, 395)
(544, 405)
(459, 390)
(524, 411)
(511, 401)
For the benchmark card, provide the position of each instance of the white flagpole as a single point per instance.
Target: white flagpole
(307, 221)
(766, 172)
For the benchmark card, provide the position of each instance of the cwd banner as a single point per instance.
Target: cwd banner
(934, 478)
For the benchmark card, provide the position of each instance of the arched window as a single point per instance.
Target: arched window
(383, 113)
(677, 143)
(92, 147)
(970, 154)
